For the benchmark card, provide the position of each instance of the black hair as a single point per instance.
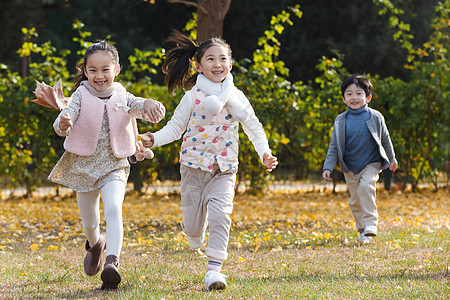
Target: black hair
(178, 62)
(359, 81)
(98, 46)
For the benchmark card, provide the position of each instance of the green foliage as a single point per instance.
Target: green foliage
(419, 109)
(321, 106)
(264, 81)
(29, 149)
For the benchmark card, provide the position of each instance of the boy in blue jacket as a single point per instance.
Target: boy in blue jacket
(360, 143)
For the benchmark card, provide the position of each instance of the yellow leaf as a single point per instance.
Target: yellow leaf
(34, 247)
(200, 252)
(52, 248)
(242, 259)
(277, 249)
(284, 140)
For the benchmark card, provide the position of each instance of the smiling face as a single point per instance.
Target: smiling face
(355, 97)
(101, 69)
(215, 64)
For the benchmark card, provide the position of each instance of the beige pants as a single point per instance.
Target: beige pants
(207, 199)
(362, 188)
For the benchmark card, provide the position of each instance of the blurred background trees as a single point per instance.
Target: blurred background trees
(290, 61)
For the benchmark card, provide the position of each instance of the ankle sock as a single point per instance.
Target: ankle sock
(214, 264)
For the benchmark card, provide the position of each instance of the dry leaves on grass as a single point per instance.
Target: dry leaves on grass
(275, 221)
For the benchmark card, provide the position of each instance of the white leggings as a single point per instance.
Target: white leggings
(89, 206)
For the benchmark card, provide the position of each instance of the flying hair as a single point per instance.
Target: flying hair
(178, 62)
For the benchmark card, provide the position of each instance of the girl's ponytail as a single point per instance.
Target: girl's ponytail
(177, 65)
(80, 75)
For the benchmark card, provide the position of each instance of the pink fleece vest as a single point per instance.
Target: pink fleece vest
(83, 137)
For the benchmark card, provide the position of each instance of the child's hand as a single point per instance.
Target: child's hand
(153, 111)
(326, 175)
(393, 166)
(65, 122)
(147, 139)
(270, 161)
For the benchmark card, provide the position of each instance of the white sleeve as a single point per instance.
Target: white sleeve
(255, 131)
(176, 126)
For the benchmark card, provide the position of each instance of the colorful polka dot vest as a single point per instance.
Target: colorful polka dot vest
(209, 138)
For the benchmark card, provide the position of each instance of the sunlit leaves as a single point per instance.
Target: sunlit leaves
(275, 222)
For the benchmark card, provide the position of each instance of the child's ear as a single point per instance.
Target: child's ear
(198, 68)
(369, 98)
(117, 70)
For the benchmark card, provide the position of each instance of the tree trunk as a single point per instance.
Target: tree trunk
(137, 178)
(210, 17)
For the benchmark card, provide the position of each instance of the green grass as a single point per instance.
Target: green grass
(282, 255)
(335, 270)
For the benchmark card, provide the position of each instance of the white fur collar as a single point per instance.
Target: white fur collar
(214, 88)
(223, 93)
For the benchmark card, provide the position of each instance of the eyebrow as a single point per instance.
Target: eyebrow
(105, 66)
(211, 55)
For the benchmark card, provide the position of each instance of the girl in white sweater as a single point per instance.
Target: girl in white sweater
(209, 115)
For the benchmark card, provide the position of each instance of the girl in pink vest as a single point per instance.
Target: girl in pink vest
(209, 115)
(98, 127)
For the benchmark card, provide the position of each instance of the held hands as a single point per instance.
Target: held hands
(326, 175)
(270, 161)
(65, 122)
(147, 139)
(153, 111)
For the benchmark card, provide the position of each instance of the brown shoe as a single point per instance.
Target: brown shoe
(110, 275)
(93, 260)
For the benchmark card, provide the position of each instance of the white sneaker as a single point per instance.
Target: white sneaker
(364, 239)
(215, 281)
(196, 242)
(370, 230)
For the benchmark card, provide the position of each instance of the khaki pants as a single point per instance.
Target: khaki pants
(207, 199)
(362, 188)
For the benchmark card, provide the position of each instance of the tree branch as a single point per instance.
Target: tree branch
(189, 3)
